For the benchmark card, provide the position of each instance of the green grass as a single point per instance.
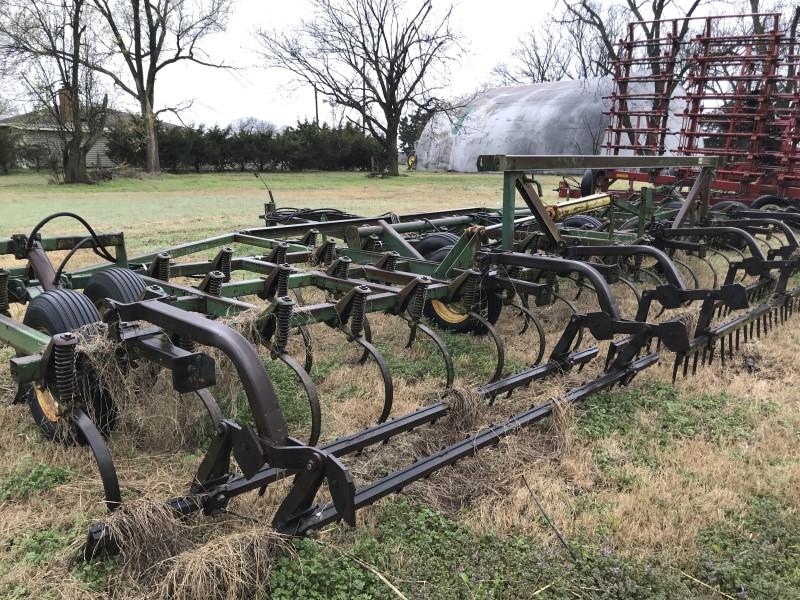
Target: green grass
(168, 208)
(428, 556)
(716, 417)
(28, 478)
(28, 182)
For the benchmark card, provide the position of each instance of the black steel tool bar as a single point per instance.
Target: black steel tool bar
(395, 482)
(340, 447)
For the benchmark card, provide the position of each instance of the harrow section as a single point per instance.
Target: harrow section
(629, 300)
(740, 103)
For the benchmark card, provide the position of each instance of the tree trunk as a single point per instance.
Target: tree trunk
(74, 166)
(392, 155)
(152, 164)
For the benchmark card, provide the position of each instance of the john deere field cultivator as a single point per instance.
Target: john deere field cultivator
(456, 270)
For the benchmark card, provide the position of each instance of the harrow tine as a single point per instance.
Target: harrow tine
(712, 346)
(721, 351)
(498, 343)
(676, 364)
(694, 365)
(730, 345)
(388, 384)
(446, 356)
(737, 340)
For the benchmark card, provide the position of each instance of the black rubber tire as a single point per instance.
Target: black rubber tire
(122, 285)
(587, 183)
(671, 205)
(493, 307)
(433, 242)
(582, 222)
(769, 200)
(631, 224)
(62, 311)
(727, 205)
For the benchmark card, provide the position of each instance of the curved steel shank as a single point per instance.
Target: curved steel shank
(261, 396)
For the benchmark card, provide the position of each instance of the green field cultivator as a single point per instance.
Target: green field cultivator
(442, 273)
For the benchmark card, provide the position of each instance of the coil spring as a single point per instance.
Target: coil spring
(282, 285)
(162, 267)
(215, 279)
(66, 377)
(3, 289)
(329, 252)
(280, 253)
(391, 261)
(184, 342)
(552, 281)
(225, 256)
(357, 311)
(418, 303)
(342, 267)
(471, 292)
(311, 239)
(283, 316)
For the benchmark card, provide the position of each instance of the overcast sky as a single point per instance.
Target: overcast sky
(490, 31)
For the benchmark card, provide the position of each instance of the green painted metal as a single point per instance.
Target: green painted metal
(410, 265)
(22, 338)
(509, 206)
(462, 255)
(27, 368)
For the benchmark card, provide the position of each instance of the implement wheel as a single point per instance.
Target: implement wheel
(122, 285)
(63, 311)
(452, 316)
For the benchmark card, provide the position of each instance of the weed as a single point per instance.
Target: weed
(428, 556)
(28, 478)
(94, 575)
(713, 417)
(756, 554)
(38, 547)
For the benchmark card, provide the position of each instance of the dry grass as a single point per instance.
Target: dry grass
(228, 567)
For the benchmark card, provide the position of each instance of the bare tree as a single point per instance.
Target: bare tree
(539, 56)
(147, 36)
(375, 58)
(562, 48)
(49, 44)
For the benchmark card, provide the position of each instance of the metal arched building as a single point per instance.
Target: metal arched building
(561, 117)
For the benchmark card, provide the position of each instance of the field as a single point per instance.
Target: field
(664, 491)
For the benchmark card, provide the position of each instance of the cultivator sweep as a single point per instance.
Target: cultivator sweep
(442, 273)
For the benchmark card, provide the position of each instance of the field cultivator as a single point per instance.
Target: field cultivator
(442, 274)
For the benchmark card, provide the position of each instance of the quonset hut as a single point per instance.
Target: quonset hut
(560, 117)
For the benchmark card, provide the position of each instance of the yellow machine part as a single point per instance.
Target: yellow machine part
(562, 210)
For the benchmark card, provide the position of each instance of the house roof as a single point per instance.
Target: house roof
(42, 120)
